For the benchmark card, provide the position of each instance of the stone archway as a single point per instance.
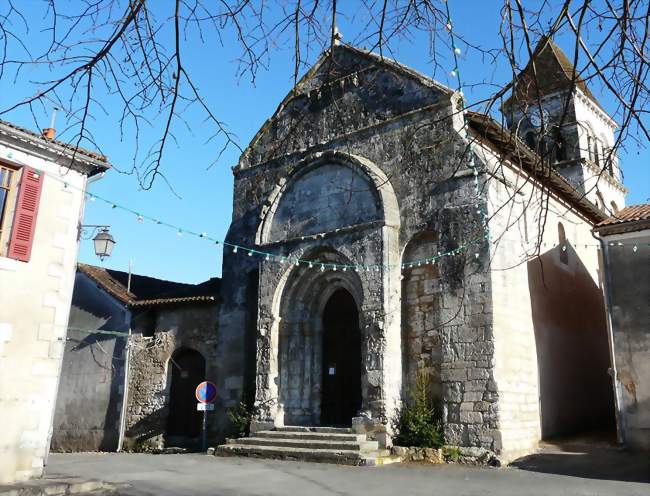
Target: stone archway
(348, 201)
(305, 328)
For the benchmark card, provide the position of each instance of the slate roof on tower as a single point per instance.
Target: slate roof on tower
(553, 72)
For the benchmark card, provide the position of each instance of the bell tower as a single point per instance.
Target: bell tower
(554, 112)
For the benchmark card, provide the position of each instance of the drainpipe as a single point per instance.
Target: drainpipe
(127, 362)
(607, 285)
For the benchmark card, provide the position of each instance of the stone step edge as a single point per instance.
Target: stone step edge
(307, 443)
(309, 435)
(298, 454)
(320, 430)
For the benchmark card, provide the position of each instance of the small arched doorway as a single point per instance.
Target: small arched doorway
(187, 369)
(341, 377)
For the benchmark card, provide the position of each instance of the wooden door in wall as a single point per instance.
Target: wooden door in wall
(187, 370)
(341, 385)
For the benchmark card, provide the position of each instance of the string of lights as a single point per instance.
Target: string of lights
(267, 256)
(322, 265)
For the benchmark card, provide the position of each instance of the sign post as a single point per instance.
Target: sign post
(206, 392)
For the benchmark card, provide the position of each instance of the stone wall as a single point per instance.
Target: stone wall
(550, 358)
(402, 133)
(187, 326)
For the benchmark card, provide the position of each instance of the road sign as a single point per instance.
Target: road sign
(204, 407)
(206, 392)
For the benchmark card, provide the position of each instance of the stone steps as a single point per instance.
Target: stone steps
(320, 430)
(312, 444)
(314, 436)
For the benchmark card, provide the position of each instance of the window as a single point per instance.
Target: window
(8, 181)
(614, 207)
(530, 140)
(596, 156)
(20, 195)
(564, 255)
(560, 153)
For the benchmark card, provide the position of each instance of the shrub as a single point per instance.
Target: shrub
(418, 423)
(451, 453)
(240, 417)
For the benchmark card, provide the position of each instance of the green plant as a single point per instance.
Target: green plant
(451, 453)
(240, 417)
(418, 423)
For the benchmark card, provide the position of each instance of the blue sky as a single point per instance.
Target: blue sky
(204, 189)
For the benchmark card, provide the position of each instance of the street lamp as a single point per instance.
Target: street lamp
(104, 243)
(103, 240)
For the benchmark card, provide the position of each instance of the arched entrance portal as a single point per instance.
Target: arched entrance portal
(187, 368)
(341, 388)
(321, 374)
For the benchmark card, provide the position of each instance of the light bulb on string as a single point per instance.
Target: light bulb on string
(267, 258)
(322, 268)
(250, 253)
(453, 73)
(179, 233)
(140, 218)
(234, 250)
(457, 50)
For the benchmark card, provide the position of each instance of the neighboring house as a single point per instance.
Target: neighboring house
(42, 183)
(173, 329)
(364, 163)
(626, 255)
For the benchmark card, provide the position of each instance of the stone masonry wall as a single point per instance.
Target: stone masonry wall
(407, 128)
(176, 327)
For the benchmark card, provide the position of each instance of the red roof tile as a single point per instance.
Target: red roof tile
(147, 291)
(633, 213)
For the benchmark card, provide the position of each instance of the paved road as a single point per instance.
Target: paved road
(196, 474)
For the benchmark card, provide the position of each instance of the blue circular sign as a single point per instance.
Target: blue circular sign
(206, 392)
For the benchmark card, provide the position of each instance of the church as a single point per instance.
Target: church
(382, 230)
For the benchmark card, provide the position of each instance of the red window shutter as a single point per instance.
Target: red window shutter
(22, 231)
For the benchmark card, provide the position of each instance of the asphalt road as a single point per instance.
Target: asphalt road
(196, 474)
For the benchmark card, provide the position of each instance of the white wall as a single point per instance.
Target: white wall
(513, 241)
(34, 306)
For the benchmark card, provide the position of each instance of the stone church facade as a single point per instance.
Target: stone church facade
(370, 186)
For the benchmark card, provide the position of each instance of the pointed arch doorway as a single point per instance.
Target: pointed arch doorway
(341, 364)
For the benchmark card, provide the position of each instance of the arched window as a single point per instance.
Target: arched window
(600, 201)
(564, 255)
(531, 140)
(614, 207)
(596, 154)
(559, 145)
